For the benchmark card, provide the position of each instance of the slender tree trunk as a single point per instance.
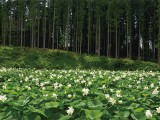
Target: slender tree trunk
(158, 55)
(89, 25)
(44, 28)
(53, 31)
(108, 42)
(127, 39)
(80, 45)
(57, 40)
(38, 33)
(96, 48)
(32, 35)
(99, 37)
(10, 32)
(24, 36)
(67, 30)
(49, 34)
(116, 45)
(139, 45)
(130, 50)
(21, 32)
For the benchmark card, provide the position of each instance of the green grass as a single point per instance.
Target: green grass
(57, 59)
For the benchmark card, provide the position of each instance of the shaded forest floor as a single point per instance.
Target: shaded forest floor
(56, 59)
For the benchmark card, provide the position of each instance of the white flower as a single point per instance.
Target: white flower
(120, 102)
(158, 110)
(4, 86)
(152, 85)
(29, 88)
(112, 101)
(43, 88)
(103, 87)
(111, 90)
(83, 81)
(130, 86)
(69, 85)
(85, 91)
(76, 81)
(54, 95)
(89, 83)
(148, 114)
(70, 110)
(26, 79)
(155, 92)
(107, 96)
(118, 92)
(60, 85)
(69, 96)
(3, 98)
(146, 88)
(46, 95)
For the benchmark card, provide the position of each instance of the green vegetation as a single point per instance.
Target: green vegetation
(112, 28)
(21, 57)
(27, 94)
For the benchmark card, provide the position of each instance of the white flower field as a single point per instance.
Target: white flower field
(28, 94)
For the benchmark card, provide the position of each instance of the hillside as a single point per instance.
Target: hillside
(56, 59)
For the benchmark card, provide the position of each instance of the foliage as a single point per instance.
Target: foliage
(56, 59)
(47, 94)
(112, 28)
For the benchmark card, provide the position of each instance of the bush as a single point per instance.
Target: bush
(57, 59)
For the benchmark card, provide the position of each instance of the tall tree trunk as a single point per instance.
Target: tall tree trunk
(67, 30)
(53, 30)
(21, 42)
(108, 41)
(127, 38)
(38, 34)
(159, 55)
(139, 54)
(89, 25)
(116, 45)
(80, 45)
(44, 28)
(32, 34)
(57, 40)
(99, 37)
(10, 32)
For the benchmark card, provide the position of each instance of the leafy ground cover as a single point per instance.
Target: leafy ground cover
(30, 94)
(22, 57)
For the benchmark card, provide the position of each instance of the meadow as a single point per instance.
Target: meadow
(27, 94)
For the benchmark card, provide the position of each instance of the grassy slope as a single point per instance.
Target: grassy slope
(55, 59)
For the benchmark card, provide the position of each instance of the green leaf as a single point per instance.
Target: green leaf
(67, 117)
(133, 106)
(32, 109)
(126, 114)
(96, 104)
(134, 117)
(51, 105)
(138, 109)
(93, 114)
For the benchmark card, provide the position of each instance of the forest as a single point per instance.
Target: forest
(80, 59)
(112, 28)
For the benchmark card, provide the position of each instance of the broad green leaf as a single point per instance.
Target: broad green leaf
(32, 109)
(93, 114)
(138, 109)
(126, 114)
(51, 104)
(95, 104)
(67, 117)
(133, 117)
